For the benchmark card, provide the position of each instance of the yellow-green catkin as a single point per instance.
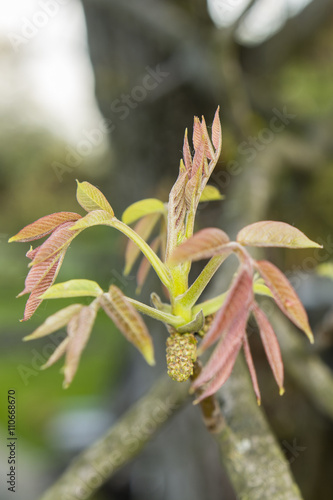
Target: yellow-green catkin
(181, 354)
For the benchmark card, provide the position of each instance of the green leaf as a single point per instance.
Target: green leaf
(73, 288)
(269, 233)
(129, 321)
(210, 193)
(90, 198)
(142, 208)
(325, 270)
(55, 322)
(94, 218)
(260, 288)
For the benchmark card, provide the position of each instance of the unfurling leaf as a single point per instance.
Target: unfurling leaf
(79, 330)
(274, 234)
(285, 296)
(141, 208)
(176, 212)
(239, 298)
(57, 354)
(222, 360)
(187, 155)
(59, 240)
(128, 321)
(210, 193)
(34, 299)
(55, 322)
(143, 228)
(43, 226)
(217, 133)
(202, 245)
(73, 288)
(271, 346)
(91, 198)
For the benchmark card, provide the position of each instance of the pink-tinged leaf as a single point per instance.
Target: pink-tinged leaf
(145, 265)
(269, 233)
(58, 240)
(91, 198)
(240, 297)
(55, 322)
(271, 346)
(79, 330)
(209, 151)
(44, 226)
(217, 133)
(176, 212)
(143, 228)
(37, 273)
(228, 345)
(252, 370)
(128, 321)
(187, 155)
(31, 253)
(57, 354)
(197, 133)
(202, 245)
(198, 158)
(285, 296)
(34, 299)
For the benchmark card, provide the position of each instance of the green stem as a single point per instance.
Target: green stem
(190, 297)
(210, 306)
(157, 264)
(170, 319)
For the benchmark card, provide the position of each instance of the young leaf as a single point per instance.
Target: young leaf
(274, 234)
(176, 212)
(73, 288)
(187, 155)
(210, 193)
(217, 132)
(222, 360)
(58, 241)
(285, 296)
(239, 298)
(252, 370)
(43, 226)
(129, 321)
(141, 208)
(144, 229)
(55, 322)
(93, 218)
(209, 151)
(57, 354)
(34, 299)
(202, 245)
(271, 346)
(37, 273)
(79, 330)
(90, 198)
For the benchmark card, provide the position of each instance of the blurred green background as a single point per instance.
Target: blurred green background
(65, 71)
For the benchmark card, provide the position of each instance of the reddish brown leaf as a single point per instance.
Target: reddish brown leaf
(79, 330)
(37, 273)
(198, 158)
(252, 370)
(176, 211)
(145, 265)
(128, 321)
(202, 245)
(228, 345)
(31, 253)
(60, 238)
(240, 297)
(268, 233)
(209, 151)
(143, 228)
(285, 296)
(271, 346)
(44, 226)
(197, 133)
(34, 299)
(187, 155)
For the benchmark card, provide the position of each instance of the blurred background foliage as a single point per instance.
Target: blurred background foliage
(208, 56)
